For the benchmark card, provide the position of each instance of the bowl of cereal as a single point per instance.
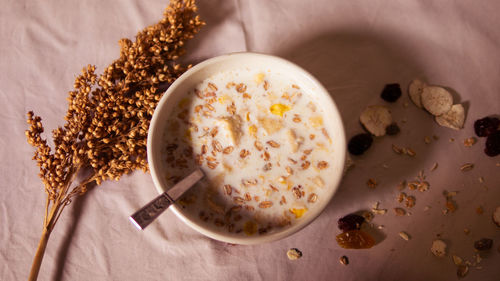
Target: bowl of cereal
(268, 137)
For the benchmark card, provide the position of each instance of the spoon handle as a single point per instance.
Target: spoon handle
(147, 214)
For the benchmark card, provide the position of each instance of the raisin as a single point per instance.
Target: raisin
(483, 244)
(391, 92)
(493, 144)
(486, 126)
(359, 144)
(392, 129)
(350, 222)
(355, 239)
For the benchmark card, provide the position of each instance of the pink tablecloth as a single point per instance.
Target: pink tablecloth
(353, 47)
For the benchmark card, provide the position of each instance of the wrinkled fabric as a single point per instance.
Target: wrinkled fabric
(354, 48)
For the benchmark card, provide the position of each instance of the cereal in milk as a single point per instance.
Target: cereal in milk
(262, 144)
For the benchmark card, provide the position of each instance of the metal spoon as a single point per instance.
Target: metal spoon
(147, 214)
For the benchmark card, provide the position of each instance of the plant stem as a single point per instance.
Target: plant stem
(40, 251)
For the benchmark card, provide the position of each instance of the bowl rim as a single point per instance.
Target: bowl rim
(244, 240)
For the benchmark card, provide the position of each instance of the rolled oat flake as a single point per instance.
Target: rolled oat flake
(294, 254)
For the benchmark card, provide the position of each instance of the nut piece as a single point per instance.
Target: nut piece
(415, 90)
(437, 100)
(496, 216)
(438, 248)
(375, 119)
(294, 254)
(454, 118)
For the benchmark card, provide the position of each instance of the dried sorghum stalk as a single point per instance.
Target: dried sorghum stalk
(108, 116)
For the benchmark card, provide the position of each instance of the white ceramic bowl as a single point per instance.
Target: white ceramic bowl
(187, 81)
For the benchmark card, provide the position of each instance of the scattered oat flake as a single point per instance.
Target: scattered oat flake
(402, 185)
(434, 167)
(399, 211)
(470, 141)
(438, 248)
(481, 180)
(466, 167)
(427, 208)
(378, 211)
(294, 254)
(344, 260)
(397, 149)
(427, 139)
(404, 235)
(457, 260)
(410, 152)
(462, 270)
(367, 215)
(372, 183)
(496, 216)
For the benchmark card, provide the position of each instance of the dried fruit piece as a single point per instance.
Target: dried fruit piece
(279, 109)
(391, 92)
(496, 216)
(485, 126)
(350, 222)
(415, 90)
(298, 212)
(454, 118)
(392, 129)
(294, 254)
(436, 100)
(493, 144)
(355, 239)
(359, 144)
(438, 248)
(375, 119)
(483, 244)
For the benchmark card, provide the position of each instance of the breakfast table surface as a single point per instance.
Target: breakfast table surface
(353, 48)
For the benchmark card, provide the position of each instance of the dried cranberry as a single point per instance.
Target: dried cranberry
(350, 222)
(484, 127)
(493, 144)
(391, 92)
(359, 144)
(483, 244)
(392, 129)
